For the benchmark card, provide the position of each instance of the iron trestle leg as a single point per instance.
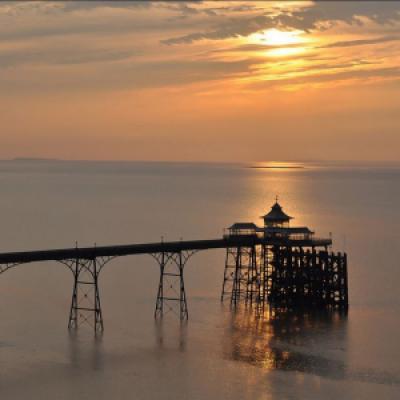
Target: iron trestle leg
(171, 294)
(85, 304)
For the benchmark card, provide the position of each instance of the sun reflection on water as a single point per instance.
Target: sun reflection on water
(278, 165)
(279, 341)
(270, 179)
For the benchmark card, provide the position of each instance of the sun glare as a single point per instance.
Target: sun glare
(285, 51)
(280, 43)
(275, 37)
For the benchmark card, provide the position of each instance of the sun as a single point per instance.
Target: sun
(279, 43)
(275, 37)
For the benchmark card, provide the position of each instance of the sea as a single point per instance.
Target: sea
(218, 353)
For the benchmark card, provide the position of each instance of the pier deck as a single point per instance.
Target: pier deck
(89, 253)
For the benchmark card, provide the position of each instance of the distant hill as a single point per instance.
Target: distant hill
(34, 159)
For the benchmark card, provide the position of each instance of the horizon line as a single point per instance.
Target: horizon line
(256, 162)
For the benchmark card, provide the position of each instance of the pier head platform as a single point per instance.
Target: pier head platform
(286, 267)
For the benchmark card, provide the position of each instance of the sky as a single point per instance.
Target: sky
(200, 81)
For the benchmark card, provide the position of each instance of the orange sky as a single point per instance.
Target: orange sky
(207, 81)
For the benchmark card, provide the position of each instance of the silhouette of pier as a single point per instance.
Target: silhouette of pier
(277, 264)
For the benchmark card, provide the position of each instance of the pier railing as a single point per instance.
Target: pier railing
(276, 238)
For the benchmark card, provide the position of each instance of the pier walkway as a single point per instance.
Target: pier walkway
(90, 253)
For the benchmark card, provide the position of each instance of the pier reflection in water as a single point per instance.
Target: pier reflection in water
(175, 340)
(289, 341)
(85, 353)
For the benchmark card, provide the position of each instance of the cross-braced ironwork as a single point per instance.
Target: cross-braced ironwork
(263, 278)
(285, 277)
(85, 304)
(241, 275)
(171, 295)
(299, 278)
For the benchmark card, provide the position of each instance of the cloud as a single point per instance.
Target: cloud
(60, 56)
(13, 8)
(325, 14)
(185, 10)
(331, 66)
(349, 76)
(88, 5)
(21, 21)
(381, 12)
(251, 47)
(242, 26)
(125, 76)
(361, 42)
(319, 15)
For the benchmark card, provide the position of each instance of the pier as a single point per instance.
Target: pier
(276, 265)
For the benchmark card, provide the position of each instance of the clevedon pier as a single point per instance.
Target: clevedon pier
(276, 266)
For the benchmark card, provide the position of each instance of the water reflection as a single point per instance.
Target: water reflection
(288, 341)
(175, 336)
(85, 351)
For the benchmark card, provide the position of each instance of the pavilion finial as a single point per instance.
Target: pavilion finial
(276, 198)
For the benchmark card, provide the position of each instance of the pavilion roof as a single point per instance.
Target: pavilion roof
(276, 214)
(243, 225)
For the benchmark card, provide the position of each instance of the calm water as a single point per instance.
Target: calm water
(217, 355)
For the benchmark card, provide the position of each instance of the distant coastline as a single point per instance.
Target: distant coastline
(34, 159)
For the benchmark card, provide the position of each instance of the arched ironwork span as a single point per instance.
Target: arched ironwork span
(6, 267)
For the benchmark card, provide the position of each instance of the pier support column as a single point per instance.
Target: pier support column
(241, 275)
(344, 284)
(85, 305)
(308, 279)
(253, 275)
(262, 279)
(339, 282)
(239, 281)
(171, 295)
(229, 270)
